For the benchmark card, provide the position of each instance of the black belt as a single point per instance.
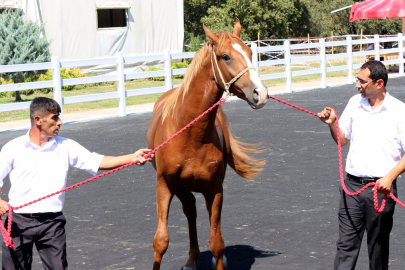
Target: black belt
(40, 215)
(362, 180)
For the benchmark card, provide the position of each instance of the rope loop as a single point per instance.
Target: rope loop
(8, 240)
(342, 180)
(7, 232)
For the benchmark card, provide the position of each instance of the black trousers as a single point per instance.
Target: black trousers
(357, 214)
(46, 232)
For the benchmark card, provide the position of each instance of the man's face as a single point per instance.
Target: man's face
(51, 124)
(366, 86)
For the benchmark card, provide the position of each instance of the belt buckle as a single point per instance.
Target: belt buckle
(363, 181)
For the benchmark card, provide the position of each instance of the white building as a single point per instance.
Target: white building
(83, 29)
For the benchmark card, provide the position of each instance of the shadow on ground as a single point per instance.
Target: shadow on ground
(240, 257)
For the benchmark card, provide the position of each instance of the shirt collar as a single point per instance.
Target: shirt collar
(385, 104)
(387, 100)
(28, 142)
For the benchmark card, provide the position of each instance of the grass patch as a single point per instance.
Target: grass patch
(304, 78)
(144, 83)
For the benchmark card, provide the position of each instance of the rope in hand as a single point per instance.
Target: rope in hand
(342, 180)
(7, 232)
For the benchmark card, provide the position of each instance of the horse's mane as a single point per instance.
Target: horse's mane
(191, 72)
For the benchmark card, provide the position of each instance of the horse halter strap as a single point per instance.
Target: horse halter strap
(227, 85)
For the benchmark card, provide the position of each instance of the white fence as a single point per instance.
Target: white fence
(121, 77)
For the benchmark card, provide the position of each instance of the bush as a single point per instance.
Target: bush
(65, 73)
(176, 65)
(45, 77)
(6, 94)
(12, 94)
(155, 78)
(68, 73)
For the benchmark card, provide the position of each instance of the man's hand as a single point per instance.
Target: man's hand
(327, 116)
(139, 155)
(384, 185)
(3, 207)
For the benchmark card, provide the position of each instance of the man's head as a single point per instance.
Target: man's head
(372, 79)
(44, 114)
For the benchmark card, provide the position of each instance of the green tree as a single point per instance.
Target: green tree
(194, 10)
(272, 18)
(322, 22)
(21, 43)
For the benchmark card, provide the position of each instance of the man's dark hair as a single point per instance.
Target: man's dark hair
(43, 106)
(377, 71)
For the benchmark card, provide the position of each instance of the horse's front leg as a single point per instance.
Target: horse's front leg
(188, 201)
(214, 207)
(161, 240)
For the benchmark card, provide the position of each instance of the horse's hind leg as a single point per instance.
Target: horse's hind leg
(161, 240)
(188, 201)
(217, 246)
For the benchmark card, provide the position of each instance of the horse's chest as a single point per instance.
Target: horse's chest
(202, 162)
(201, 169)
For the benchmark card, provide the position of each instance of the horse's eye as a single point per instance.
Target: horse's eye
(226, 57)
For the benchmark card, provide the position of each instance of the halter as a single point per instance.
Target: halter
(227, 85)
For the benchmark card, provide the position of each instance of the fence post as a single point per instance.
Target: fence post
(349, 60)
(168, 70)
(401, 54)
(323, 62)
(255, 61)
(376, 48)
(57, 84)
(287, 58)
(121, 84)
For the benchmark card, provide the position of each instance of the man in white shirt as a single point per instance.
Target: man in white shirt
(374, 123)
(37, 164)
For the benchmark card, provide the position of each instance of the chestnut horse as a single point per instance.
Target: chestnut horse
(196, 160)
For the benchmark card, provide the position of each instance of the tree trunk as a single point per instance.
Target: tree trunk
(17, 96)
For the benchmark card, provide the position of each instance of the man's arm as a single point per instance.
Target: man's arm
(109, 162)
(328, 116)
(385, 183)
(5, 168)
(3, 206)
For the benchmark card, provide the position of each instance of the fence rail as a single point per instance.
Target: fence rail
(286, 51)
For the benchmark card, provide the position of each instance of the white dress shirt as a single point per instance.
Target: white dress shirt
(39, 171)
(377, 137)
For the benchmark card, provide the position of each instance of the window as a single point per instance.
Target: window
(110, 18)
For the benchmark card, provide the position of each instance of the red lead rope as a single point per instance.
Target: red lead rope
(7, 232)
(342, 180)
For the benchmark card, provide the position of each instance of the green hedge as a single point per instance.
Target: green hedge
(175, 65)
(65, 73)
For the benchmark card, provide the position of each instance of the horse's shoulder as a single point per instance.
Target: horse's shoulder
(162, 100)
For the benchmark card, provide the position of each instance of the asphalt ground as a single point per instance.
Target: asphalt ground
(285, 219)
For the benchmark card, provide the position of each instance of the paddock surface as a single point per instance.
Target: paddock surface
(285, 219)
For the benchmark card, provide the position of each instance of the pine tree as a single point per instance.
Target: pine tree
(21, 43)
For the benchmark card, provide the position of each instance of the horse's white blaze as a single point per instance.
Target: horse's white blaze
(254, 76)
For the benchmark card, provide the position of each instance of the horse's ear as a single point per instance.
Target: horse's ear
(211, 35)
(237, 29)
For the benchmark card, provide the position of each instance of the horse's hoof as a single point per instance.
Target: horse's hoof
(188, 268)
(224, 261)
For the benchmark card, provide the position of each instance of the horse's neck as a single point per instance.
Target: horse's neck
(203, 93)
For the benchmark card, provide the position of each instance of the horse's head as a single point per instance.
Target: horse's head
(231, 57)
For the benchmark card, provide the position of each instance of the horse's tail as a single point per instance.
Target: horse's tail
(239, 160)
